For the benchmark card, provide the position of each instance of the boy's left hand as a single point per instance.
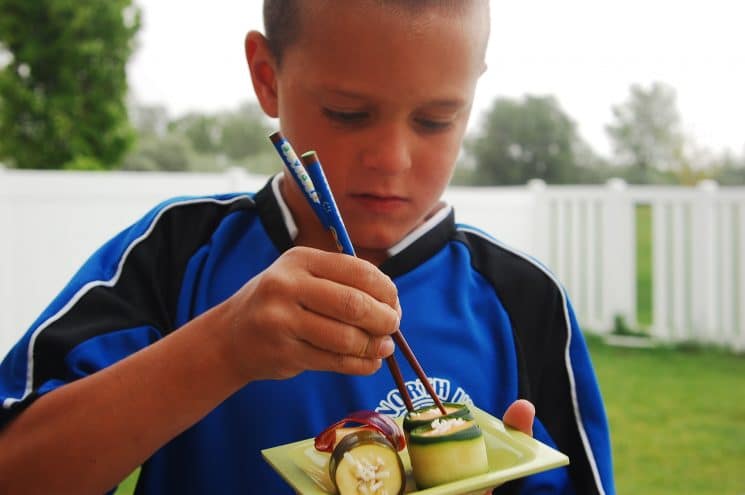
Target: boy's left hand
(520, 416)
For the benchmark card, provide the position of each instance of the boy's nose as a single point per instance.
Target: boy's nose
(388, 151)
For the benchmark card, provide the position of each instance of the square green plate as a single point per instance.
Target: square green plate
(511, 454)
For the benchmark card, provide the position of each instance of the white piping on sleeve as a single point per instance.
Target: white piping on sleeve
(7, 403)
(567, 358)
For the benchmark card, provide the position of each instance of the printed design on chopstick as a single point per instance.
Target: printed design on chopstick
(294, 162)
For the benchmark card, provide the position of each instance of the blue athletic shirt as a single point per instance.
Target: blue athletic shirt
(489, 324)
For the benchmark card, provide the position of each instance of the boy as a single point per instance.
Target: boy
(208, 330)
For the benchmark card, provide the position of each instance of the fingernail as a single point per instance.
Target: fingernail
(387, 347)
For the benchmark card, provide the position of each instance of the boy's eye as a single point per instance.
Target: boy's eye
(345, 117)
(432, 125)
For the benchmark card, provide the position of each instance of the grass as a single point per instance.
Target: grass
(677, 419)
(127, 487)
(644, 279)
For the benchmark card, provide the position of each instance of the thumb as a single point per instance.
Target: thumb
(520, 416)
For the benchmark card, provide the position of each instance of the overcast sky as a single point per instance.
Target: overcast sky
(587, 53)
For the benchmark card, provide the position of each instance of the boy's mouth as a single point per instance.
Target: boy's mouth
(379, 203)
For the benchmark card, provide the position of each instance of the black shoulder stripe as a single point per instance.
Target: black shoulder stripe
(517, 285)
(144, 290)
(421, 249)
(271, 217)
(536, 306)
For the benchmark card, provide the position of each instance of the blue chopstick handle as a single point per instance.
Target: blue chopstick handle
(303, 180)
(333, 218)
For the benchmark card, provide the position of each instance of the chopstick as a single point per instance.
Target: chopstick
(336, 226)
(399, 380)
(309, 176)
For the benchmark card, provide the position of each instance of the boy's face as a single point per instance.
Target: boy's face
(383, 96)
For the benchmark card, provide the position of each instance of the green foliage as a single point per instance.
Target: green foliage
(201, 130)
(634, 174)
(170, 153)
(238, 134)
(149, 120)
(646, 132)
(729, 171)
(84, 163)
(244, 132)
(62, 91)
(519, 140)
(201, 142)
(523, 140)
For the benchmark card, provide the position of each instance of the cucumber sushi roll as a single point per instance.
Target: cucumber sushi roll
(366, 463)
(424, 415)
(447, 450)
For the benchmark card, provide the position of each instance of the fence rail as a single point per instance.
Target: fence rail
(51, 221)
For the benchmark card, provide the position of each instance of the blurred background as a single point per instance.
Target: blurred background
(607, 139)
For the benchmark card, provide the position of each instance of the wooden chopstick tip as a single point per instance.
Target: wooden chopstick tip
(309, 157)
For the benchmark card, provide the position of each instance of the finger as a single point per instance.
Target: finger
(353, 272)
(340, 338)
(520, 415)
(348, 305)
(320, 360)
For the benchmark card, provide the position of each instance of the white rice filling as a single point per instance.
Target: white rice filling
(442, 426)
(369, 475)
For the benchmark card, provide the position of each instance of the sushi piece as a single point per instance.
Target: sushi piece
(368, 420)
(364, 457)
(424, 416)
(445, 450)
(366, 463)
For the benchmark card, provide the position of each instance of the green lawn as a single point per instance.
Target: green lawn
(644, 265)
(127, 487)
(677, 419)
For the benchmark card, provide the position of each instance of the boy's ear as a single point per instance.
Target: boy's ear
(263, 70)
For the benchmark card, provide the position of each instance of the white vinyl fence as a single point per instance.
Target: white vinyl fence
(588, 237)
(51, 221)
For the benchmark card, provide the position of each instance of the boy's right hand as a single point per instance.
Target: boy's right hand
(312, 310)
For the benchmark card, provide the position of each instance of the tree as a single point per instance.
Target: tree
(149, 120)
(202, 130)
(523, 140)
(244, 132)
(238, 134)
(201, 142)
(647, 132)
(169, 153)
(62, 90)
(730, 170)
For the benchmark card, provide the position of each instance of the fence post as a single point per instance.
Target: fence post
(5, 279)
(235, 178)
(703, 255)
(618, 252)
(539, 236)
